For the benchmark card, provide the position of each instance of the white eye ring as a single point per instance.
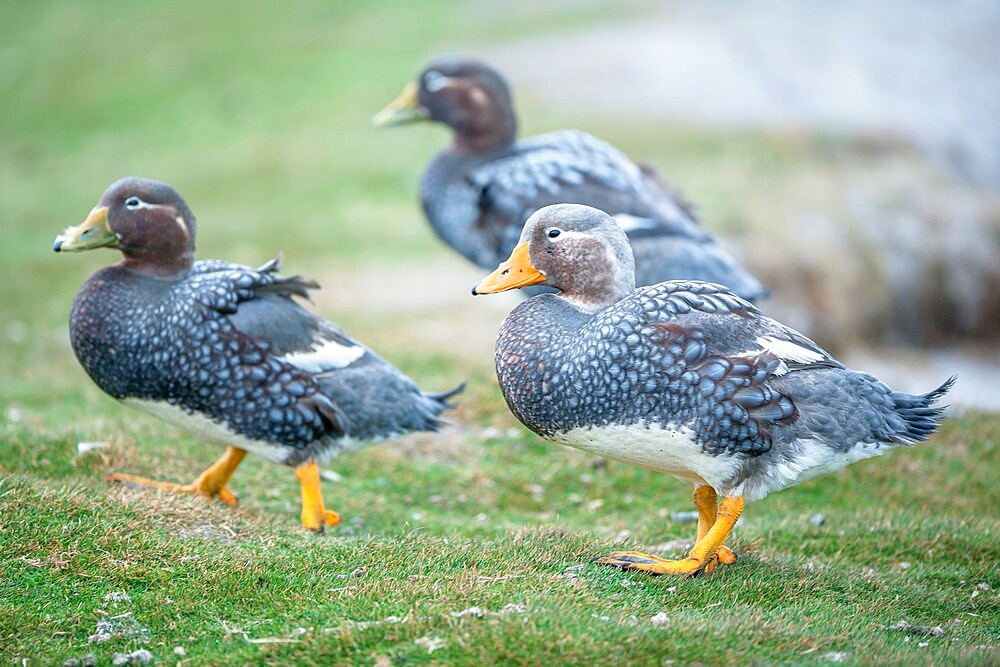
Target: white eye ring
(435, 81)
(553, 232)
(133, 203)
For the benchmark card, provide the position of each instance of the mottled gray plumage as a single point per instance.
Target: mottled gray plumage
(688, 357)
(478, 193)
(228, 343)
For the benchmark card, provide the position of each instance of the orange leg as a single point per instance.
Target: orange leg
(314, 515)
(705, 550)
(211, 483)
(707, 502)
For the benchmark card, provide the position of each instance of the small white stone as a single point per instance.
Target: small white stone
(84, 447)
(180, 650)
(141, 657)
(331, 475)
(117, 596)
(430, 643)
(660, 618)
(513, 608)
(477, 612)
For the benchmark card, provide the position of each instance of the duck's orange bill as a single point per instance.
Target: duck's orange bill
(516, 272)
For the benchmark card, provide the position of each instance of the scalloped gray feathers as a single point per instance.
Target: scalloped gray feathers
(691, 357)
(228, 343)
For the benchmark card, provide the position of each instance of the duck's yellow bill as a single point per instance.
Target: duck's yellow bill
(91, 233)
(403, 110)
(516, 272)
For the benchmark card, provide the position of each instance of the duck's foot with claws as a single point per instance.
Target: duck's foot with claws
(707, 553)
(211, 484)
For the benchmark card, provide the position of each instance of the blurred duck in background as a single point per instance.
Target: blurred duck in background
(478, 192)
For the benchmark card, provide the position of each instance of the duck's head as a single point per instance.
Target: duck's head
(465, 94)
(146, 220)
(579, 250)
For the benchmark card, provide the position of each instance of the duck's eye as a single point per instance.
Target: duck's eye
(435, 81)
(133, 203)
(554, 232)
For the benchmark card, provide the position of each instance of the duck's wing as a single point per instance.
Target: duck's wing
(374, 398)
(222, 285)
(570, 166)
(748, 381)
(731, 324)
(749, 385)
(212, 367)
(702, 352)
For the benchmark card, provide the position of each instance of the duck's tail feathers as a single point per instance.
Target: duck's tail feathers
(441, 401)
(919, 414)
(443, 396)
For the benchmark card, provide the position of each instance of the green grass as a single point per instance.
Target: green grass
(258, 115)
(496, 521)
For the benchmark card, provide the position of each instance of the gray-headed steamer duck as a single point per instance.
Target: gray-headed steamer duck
(682, 377)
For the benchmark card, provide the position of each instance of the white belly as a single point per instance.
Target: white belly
(814, 458)
(206, 429)
(675, 451)
(671, 451)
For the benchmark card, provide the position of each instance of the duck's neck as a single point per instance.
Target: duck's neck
(594, 291)
(487, 133)
(174, 268)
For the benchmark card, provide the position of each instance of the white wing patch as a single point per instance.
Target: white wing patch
(328, 356)
(786, 351)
